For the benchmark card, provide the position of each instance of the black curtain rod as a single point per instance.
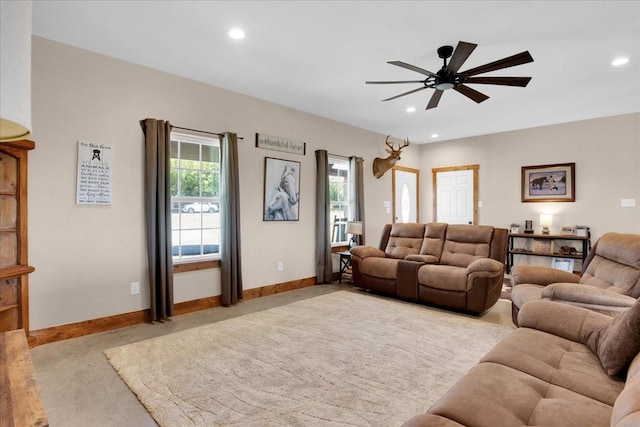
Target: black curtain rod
(202, 131)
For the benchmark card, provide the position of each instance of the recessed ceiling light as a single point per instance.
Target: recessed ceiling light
(434, 135)
(619, 61)
(411, 109)
(236, 33)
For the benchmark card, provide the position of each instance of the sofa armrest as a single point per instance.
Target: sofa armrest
(563, 320)
(485, 264)
(538, 275)
(587, 296)
(367, 251)
(430, 420)
(427, 259)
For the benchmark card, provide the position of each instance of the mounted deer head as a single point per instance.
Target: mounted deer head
(381, 166)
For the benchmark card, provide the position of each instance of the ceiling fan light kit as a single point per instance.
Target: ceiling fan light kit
(448, 76)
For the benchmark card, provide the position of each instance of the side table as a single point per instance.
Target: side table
(345, 262)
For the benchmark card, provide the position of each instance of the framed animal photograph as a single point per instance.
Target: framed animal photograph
(281, 190)
(549, 183)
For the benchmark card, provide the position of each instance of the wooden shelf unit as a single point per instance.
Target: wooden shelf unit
(14, 255)
(585, 242)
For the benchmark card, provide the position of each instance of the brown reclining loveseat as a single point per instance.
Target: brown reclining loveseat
(450, 265)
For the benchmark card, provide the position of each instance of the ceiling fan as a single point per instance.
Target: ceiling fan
(448, 76)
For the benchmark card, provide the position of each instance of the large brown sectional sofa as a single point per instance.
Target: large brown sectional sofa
(564, 366)
(455, 266)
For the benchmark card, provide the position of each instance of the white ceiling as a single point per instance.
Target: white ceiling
(315, 56)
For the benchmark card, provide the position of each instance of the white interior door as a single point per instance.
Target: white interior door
(406, 199)
(455, 196)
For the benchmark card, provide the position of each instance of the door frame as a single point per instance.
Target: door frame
(434, 173)
(393, 190)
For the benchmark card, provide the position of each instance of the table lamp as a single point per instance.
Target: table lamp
(545, 221)
(355, 229)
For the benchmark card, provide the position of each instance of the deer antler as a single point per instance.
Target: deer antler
(386, 141)
(405, 143)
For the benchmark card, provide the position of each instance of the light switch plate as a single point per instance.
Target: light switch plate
(628, 203)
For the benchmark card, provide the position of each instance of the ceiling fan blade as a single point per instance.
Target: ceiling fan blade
(471, 93)
(504, 81)
(512, 61)
(412, 68)
(395, 81)
(406, 93)
(435, 98)
(460, 55)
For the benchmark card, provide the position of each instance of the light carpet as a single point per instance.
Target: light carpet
(345, 358)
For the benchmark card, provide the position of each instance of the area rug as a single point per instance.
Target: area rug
(344, 358)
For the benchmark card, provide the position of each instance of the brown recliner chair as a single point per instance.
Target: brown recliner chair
(610, 281)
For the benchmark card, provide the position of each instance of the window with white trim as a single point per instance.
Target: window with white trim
(339, 199)
(195, 197)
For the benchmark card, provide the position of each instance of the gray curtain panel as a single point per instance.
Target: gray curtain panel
(356, 166)
(324, 267)
(230, 253)
(158, 213)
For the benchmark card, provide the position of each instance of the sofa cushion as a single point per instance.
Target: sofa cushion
(466, 243)
(591, 297)
(382, 268)
(447, 277)
(433, 239)
(611, 275)
(540, 275)
(616, 264)
(522, 293)
(558, 361)
(618, 342)
(404, 239)
(624, 248)
(626, 411)
(492, 394)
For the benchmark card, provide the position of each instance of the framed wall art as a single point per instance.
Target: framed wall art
(281, 190)
(564, 264)
(567, 230)
(549, 183)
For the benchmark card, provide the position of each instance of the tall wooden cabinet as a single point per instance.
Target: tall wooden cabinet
(14, 256)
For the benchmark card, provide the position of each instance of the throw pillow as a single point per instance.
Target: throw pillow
(618, 342)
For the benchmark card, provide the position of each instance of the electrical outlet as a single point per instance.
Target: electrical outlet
(280, 266)
(135, 288)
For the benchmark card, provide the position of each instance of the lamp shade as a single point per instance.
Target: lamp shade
(15, 70)
(546, 220)
(354, 227)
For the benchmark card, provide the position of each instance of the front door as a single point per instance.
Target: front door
(406, 194)
(455, 194)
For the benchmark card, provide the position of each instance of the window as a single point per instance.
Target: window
(195, 197)
(339, 198)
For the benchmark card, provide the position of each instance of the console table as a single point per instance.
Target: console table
(530, 250)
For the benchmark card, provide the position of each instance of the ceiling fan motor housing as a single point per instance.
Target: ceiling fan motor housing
(445, 79)
(445, 51)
